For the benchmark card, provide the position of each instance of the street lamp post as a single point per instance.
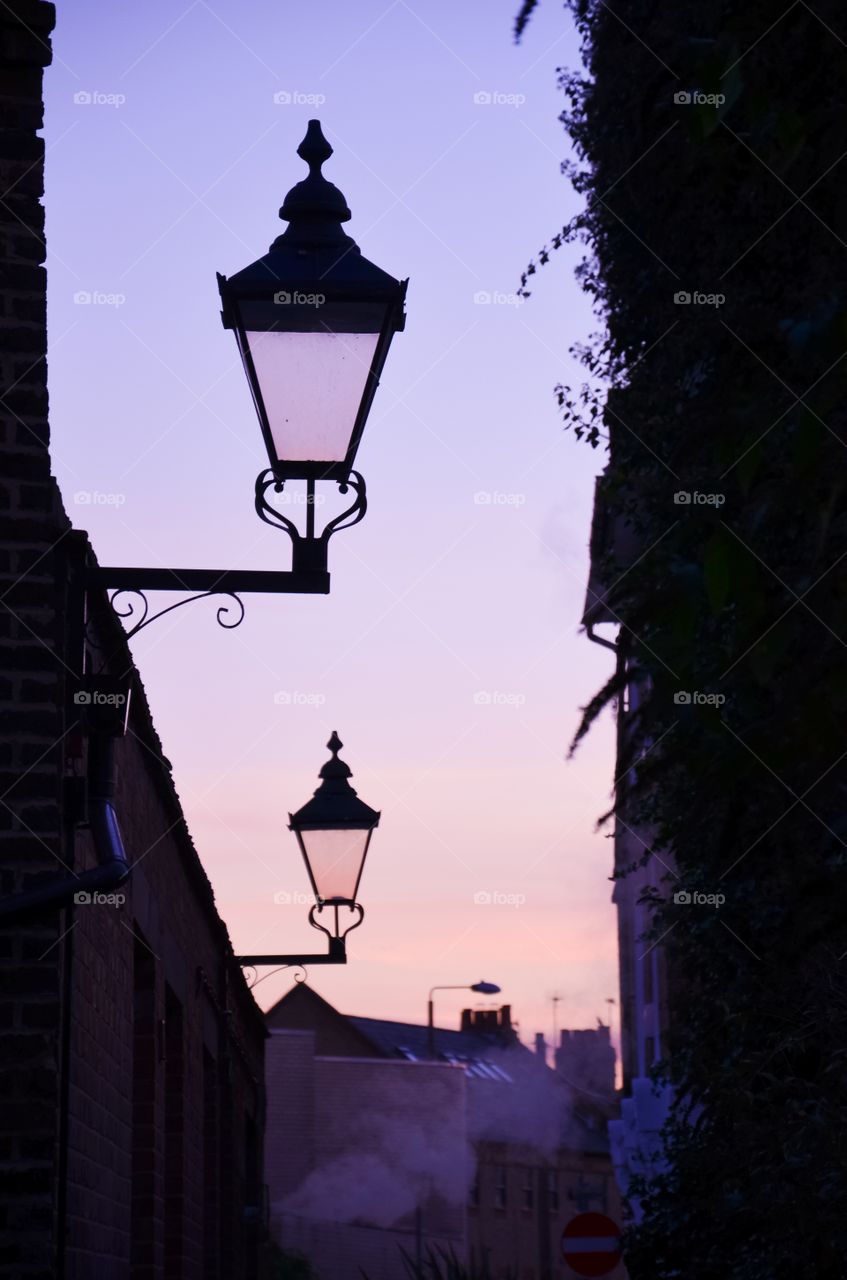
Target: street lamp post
(482, 988)
(334, 831)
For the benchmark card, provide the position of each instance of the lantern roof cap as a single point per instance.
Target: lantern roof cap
(314, 254)
(335, 803)
(314, 204)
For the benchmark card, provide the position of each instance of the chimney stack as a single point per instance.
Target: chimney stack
(587, 1059)
(541, 1046)
(490, 1022)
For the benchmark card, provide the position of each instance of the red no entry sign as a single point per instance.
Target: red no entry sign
(591, 1244)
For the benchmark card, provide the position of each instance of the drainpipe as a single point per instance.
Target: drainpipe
(607, 644)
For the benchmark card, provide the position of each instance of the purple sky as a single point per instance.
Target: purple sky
(174, 167)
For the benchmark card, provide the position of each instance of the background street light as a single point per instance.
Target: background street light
(482, 988)
(334, 831)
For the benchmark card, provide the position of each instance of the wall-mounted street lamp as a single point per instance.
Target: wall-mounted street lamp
(313, 320)
(482, 988)
(333, 830)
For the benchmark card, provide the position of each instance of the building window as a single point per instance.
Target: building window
(649, 1051)
(501, 1187)
(527, 1190)
(552, 1190)
(473, 1191)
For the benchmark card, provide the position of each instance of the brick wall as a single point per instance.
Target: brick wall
(166, 1063)
(131, 1056)
(31, 758)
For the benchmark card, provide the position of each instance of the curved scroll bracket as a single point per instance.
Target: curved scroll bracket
(134, 611)
(251, 974)
(334, 906)
(310, 549)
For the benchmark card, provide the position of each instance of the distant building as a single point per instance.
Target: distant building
(365, 1156)
(530, 1152)
(586, 1060)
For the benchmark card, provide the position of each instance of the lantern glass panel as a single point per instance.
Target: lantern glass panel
(312, 385)
(335, 859)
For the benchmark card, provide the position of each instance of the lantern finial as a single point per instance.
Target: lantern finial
(314, 149)
(315, 209)
(335, 772)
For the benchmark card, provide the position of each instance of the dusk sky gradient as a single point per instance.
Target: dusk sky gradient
(436, 597)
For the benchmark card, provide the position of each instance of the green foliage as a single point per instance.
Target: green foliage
(745, 198)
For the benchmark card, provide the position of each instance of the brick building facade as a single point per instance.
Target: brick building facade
(131, 1061)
